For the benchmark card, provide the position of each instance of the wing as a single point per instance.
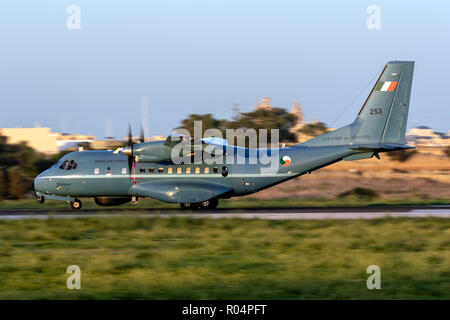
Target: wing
(179, 191)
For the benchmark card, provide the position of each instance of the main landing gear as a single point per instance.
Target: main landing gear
(208, 204)
(76, 205)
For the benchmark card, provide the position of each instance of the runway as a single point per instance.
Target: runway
(301, 213)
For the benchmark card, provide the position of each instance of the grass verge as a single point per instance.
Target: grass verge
(186, 258)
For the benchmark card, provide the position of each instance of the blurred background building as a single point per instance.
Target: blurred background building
(425, 136)
(43, 140)
(40, 139)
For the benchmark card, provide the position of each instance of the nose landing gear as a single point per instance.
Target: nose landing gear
(76, 205)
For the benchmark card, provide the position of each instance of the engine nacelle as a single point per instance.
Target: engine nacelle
(111, 201)
(154, 151)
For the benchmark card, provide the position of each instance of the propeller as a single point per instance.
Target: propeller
(130, 150)
(130, 145)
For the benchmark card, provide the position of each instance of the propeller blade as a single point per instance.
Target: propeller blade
(130, 135)
(142, 138)
(130, 145)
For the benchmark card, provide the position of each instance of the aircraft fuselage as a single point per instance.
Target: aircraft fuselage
(104, 173)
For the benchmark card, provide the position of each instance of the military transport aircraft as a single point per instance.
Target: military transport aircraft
(145, 169)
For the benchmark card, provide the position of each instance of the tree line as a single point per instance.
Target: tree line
(19, 164)
(275, 118)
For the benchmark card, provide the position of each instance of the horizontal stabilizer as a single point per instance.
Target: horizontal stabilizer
(381, 147)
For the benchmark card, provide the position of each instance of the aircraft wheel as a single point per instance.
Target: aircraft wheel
(209, 204)
(188, 205)
(76, 205)
(40, 199)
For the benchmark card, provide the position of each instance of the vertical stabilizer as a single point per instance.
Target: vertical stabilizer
(383, 117)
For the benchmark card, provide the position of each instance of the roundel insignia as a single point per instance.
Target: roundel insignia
(285, 161)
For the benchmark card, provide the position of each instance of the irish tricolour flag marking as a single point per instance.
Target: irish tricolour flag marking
(386, 85)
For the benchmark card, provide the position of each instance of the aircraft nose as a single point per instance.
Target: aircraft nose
(38, 184)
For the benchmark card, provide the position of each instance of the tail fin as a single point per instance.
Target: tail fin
(383, 117)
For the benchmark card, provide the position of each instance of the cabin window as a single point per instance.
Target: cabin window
(197, 170)
(151, 170)
(169, 170)
(216, 169)
(206, 170)
(160, 170)
(188, 170)
(179, 170)
(224, 171)
(142, 170)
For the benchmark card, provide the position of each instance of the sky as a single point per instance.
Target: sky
(201, 56)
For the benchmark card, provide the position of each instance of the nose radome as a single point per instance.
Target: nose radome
(38, 184)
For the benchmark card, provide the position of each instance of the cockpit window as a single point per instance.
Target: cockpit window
(63, 165)
(68, 165)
